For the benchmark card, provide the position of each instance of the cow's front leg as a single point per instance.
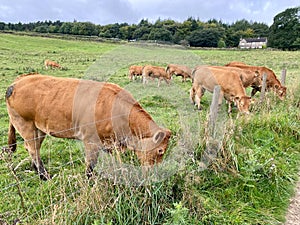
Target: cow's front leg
(254, 90)
(229, 106)
(145, 79)
(159, 80)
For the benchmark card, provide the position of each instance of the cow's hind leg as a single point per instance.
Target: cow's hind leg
(33, 138)
(91, 157)
(199, 93)
(33, 147)
(192, 95)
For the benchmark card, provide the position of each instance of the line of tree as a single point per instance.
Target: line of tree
(284, 33)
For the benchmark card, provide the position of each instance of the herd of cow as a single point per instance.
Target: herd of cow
(106, 117)
(233, 78)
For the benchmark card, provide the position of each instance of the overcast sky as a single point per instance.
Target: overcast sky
(132, 11)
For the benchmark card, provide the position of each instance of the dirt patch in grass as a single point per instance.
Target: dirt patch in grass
(293, 214)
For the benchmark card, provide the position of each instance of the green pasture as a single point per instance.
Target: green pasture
(249, 181)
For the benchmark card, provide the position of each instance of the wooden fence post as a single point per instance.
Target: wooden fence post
(263, 88)
(213, 112)
(283, 76)
(212, 142)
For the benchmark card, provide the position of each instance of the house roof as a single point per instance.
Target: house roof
(263, 39)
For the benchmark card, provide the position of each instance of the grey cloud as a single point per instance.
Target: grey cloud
(132, 11)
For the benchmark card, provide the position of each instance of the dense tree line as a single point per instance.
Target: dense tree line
(285, 30)
(283, 33)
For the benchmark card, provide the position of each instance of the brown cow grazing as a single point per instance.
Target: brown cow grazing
(179, 70)
(102, 115)
(135, 71)
(248, 77)
(206, 78)
(48, 63)
(151, 72)
(272, 81)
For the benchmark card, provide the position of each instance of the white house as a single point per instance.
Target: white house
(253, 42)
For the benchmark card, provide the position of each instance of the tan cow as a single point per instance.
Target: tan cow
(206, 78)
(48, 63)
(102, 115)
(248, 77)
(272, 81)
(179, 70)
(135, 71)
(151, 72)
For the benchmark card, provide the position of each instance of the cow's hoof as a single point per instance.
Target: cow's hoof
(45, 176)
(89, 172)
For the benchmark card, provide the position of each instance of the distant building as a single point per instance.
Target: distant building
(253, 42)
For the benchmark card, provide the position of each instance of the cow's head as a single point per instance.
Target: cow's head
(151, 150)
(280, 90)
(243, 103)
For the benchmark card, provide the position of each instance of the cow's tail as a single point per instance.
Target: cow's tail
(12, 141)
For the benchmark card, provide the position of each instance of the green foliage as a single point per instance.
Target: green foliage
(260, 29)
(285, 30)
(178, 215)
(161, 34)
(207, 37)
(162, 30)
(221, 44)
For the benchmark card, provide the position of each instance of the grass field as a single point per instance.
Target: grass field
(249, 181)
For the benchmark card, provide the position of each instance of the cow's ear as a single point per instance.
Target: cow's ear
(276, 86)
(158, 136)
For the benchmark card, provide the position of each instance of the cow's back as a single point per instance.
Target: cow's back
(154, 71)
(135, 70)
(248, 77)
(209, 77)
(185, 69)
(271, 77)
(66, 107)
(45, 100)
